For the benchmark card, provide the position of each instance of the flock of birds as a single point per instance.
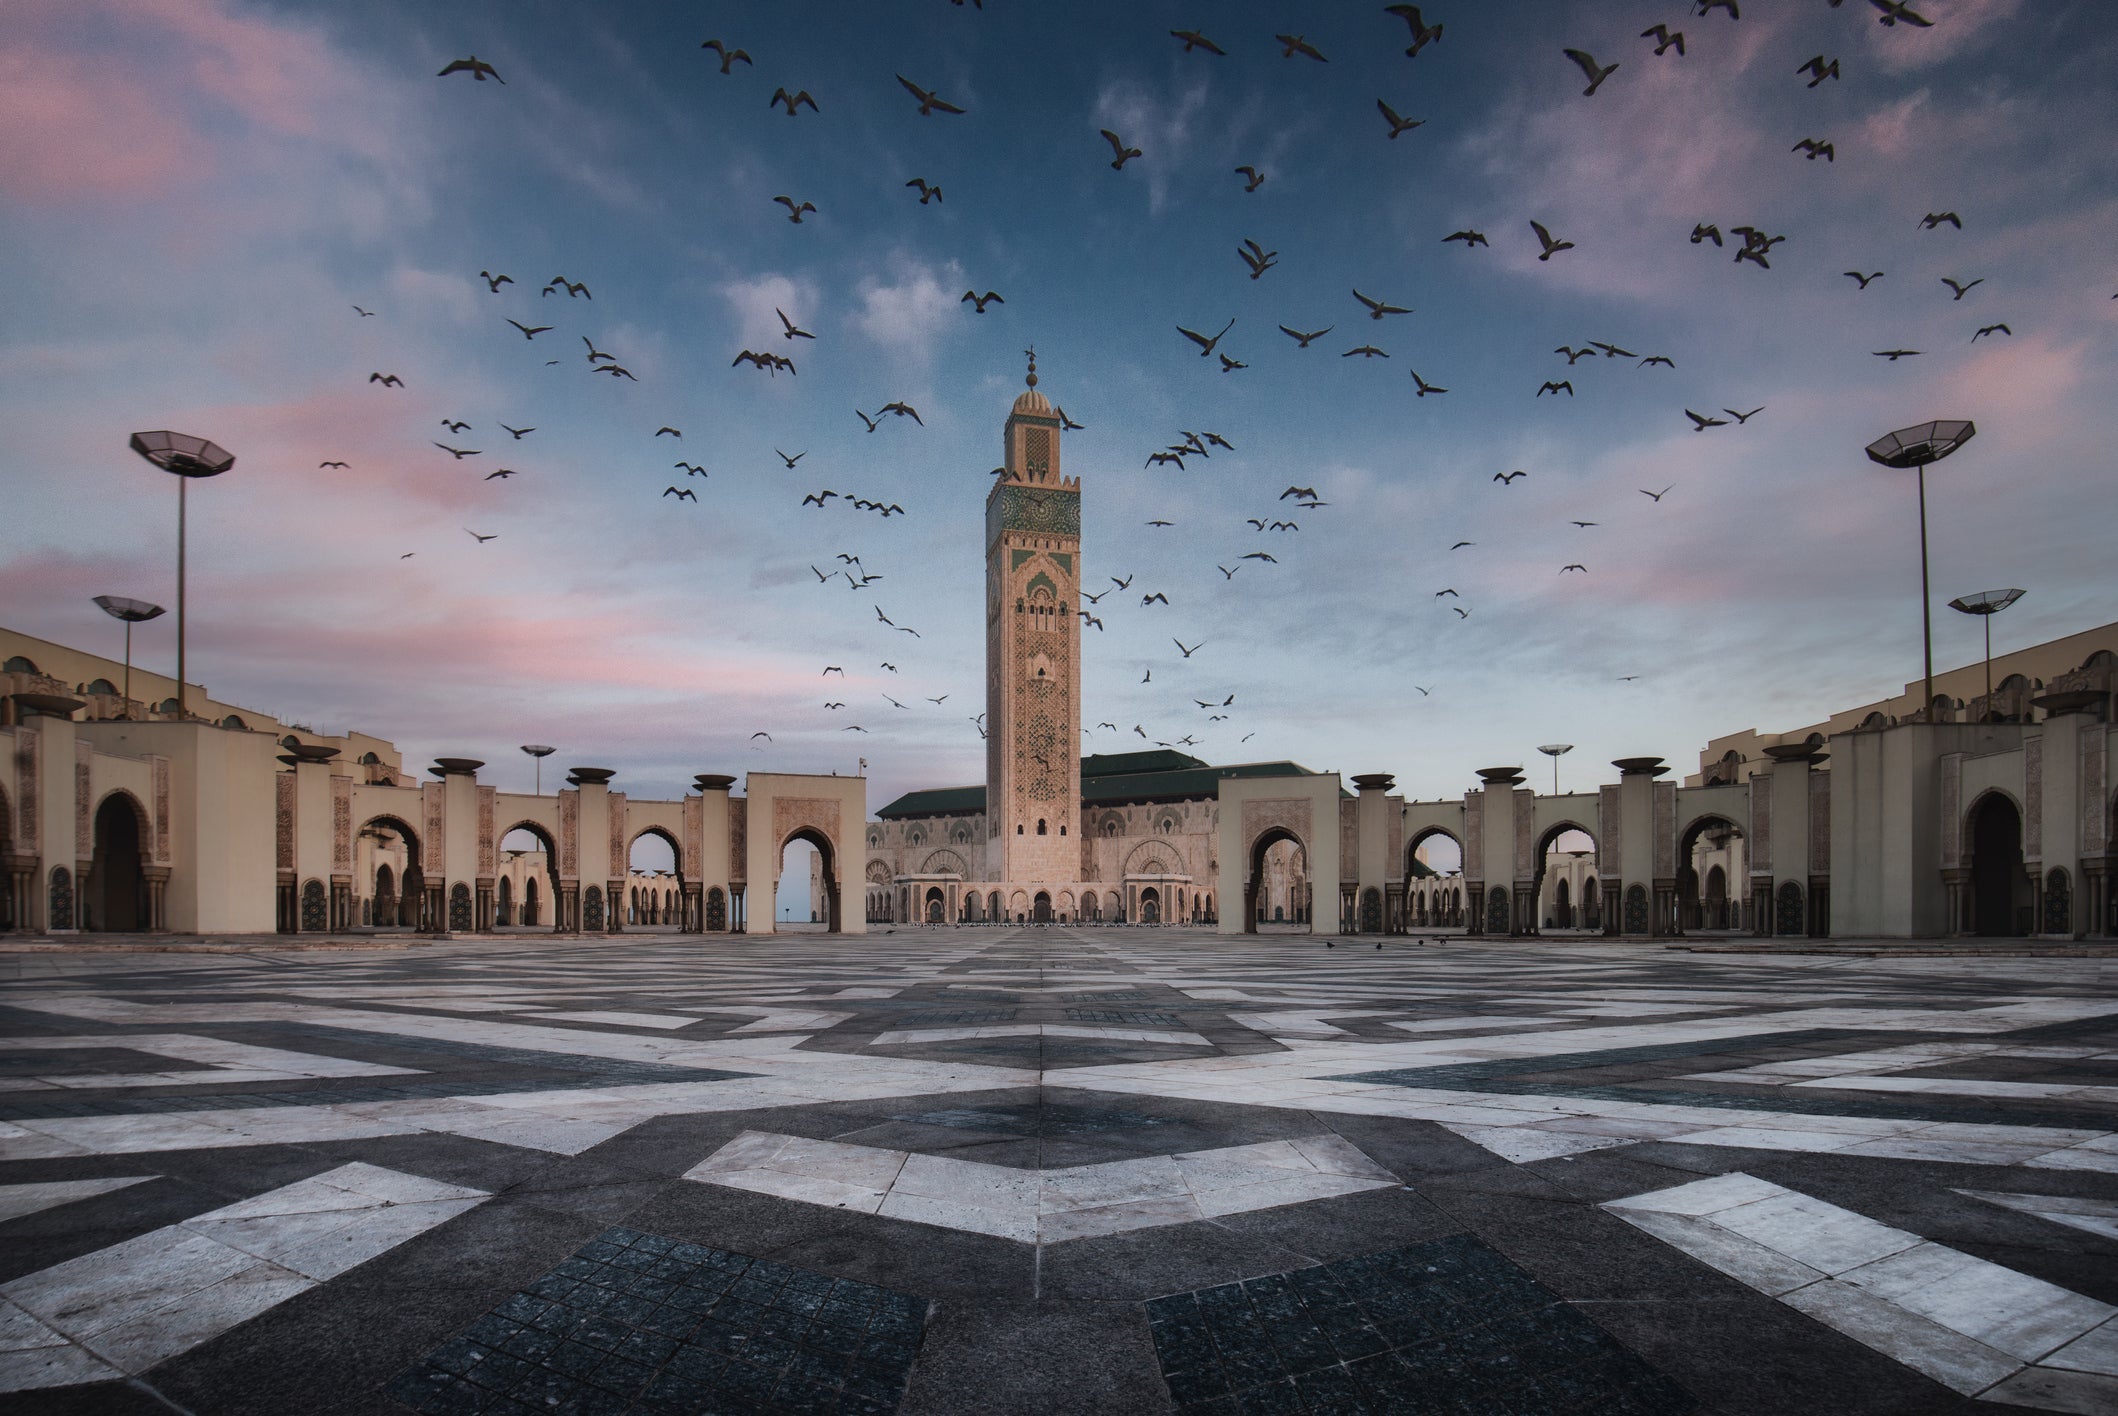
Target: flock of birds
(1257, 263)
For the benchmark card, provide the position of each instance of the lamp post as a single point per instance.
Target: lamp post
(1555, 751)
(186, 457)
(1986, 604)
(539, 751)
(1915, 447)
(132, 612)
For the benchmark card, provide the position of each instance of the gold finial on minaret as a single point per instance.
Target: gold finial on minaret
(1032, 352)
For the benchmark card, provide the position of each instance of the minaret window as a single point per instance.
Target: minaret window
(1040, 826)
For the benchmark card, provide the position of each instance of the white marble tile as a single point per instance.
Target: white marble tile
(2011, 1312)
(2051, 1389)
(1744, 1260)
(623, 1020)
(1702, 1197)
(18, 1200)
(1958, 1362)
(2094, 1215)
(1524, 1144)
(2094, 1351)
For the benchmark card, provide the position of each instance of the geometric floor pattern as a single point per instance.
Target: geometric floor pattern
(1096, 1170)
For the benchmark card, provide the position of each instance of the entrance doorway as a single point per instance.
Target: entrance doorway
(1277, 886)
(806, 893)
(2000, 891)
(1711, 863)
(1041, 908)
(117, 884)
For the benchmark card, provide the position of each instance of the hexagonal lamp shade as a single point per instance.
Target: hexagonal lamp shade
(1986, 604)
(183, 454)
(1918, 446)
(132, 612)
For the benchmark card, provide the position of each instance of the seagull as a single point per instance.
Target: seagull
(927, 192)
(1742, 418)
(386, 380)
(518, 432)
(1816, 149)
(1461, 614)
(1308, 493)
(1425, 388)
(766, 736)
(1574, 355)
(1893, 355)
(493, 282)
(1662, 359)
(474, 66)
(321, 465)
(1189, 652)
(1553, 388)
(979, 302)
(1205, 345)
(1157, 598)
(1257, 257)
(1259, 556)
(575, 289)
(1665, 38)
(1377, 308)
(903, 410)
(1229, 366)
(794, 212)
(1551, 247)
(1700, 422)
(1161, 523)
(894, 703)
(1422, 33)
(830, 669)
(1576, 566)
(481, 540)
(1256, 178)
(1067, 423)
(459, 453)
(1450, 591)
(943, 699)
(819, 498)
(1864, 279)
(1932, 220)
(1226, 572)
(1962, 289)
(1469, 238)
(1596, 75)
(1657, 496)
(1893, 11)
(793, 101)
(673, 432)
(1366, 351)
(502, 474)
(728, 56)
(1461, 544)
(594, 353)
(1508, 478)
(1123, 153)
(366, 314)
(790, 461)
(454, 425)
(1398, 124)
(1194, 40)
(1982, 333)
(1424, 692)
(792, 331)
(1588, 523)
(1822, 68)
(928, 102)
(681, 493)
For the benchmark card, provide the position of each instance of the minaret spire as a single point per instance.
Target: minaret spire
(1032, 352)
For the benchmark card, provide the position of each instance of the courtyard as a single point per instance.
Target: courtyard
(1055, 1170)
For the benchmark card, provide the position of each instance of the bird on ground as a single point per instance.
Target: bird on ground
(364, 314)
(1893, 355)
(1700, 422)
(681, 493)
(321, 465)
(494, 282)
(386, 380)
(1378, 308)
(575, 289)
(1665, 38)
(517, 432)
(1157, 598)
(1205, 345)
(1307, 492)
(1422, 33)
(1816, 149)
(790, 329)
(1067, 423)
(1293, 44)
(1366, 351)
(1551, 246)
(1962, 289)
(1822, 68)
(1469, 238)
(1742, 418)
(1662, 359)
(1657, 496)
(1398, 124)
(1596, 75)
(459, 453)
(1588, 523)
(1192, 39)
(1992, 329)
(729, 56)
(1576, 566)
(790, 461)
(474, 66)
(793, 101)
(1122, 153)
(1507, 479)
(1254, 178)
(530, 331)
(929, 102)
(481, 540)
(1864, 279)
(927, 191)
(1187, 653)
(500, 474)
(1229, 366)
(1425, 388)
(794, 211)
(1932, 220)
(1705, 231)
(1257, 257)
(454, 425)
(1893, 11)
(979, 302)
(903, 410)
(1554, 388)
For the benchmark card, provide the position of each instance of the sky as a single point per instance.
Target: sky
(198, 198)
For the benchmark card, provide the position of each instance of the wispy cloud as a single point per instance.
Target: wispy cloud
(908, 309)
(1163, 126)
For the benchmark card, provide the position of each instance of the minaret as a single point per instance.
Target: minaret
(1032, 654)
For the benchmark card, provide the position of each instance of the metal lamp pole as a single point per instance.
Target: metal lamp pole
(1916, 447)
(539, 751)
(1555, 751)
(132, 612)
(186, 457)
(1986, 604)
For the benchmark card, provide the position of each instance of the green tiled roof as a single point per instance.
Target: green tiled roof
(1107, 779)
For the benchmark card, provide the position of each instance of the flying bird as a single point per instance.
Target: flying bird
(830, 669)
(903, 410)
(518, 432)
(1823, 69)
(1707, 7)
(1961, 289)
(790, 461)
(1700, 422)
(500, 474)
(492, 282)
(1461, 544)
(793, 101)
(1366, 351)
(474, 66)
(1157, 598)
(927, 192)
(1461, 613)
(1425, 388)
(1259, 556)
(1192, 39)
(481, 540)
(1306, 492)
(1816, 149)
(1742, 418)
(386, 380)
(575, 289)
(1588, 523)
(791, 330)
(1554, 388)
(928, 101)
(794, 212)
(1596, 75)
(1398, 124)
(681, 493)
(1508, 478)
(1294, 44)
(728, 56)
(1932, 220)
(979, 302)
(321, 465)
(1205, 345)
(529, 331)
(819, 498)
(1657, 496)
(1067, 423)
(1894, 11)
(1665, 38)
(1377, 308)
(364, 314)
(1705, 231)
(1123, 153)
(1257, 257)
(1469, 238)
(1893, 355)
(1576, 566)
(1551, 246)
(454, 425)
(1662, 359)
(1574, 356)
(594, 353)
(1255, 178)
(1187, 653)
(1229, 366)
(1422, 33)
(1984, 331)
(1864, 279)
(459, 453)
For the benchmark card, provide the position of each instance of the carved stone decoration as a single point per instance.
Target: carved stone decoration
(488, 846)
(618, 865)
(434, 847)
(30, 807)
(459, 908)
(1371, 911)
(161, 810)
(1788, 915)
(62, 898)
(1349, 837)
(341, 825)
(1474, 834)
(1664, 818)
(592, 909)
(316, 916)
(818, 814)
(1522, 801)
(694, 860)
(2033, 798)
(1636, 909)
(1952, 825)
(84, 831)
(738, 840)
(2058, 902)
(1394, 857)
(569, 835)
(716, 910)
(2093, 821)
(1819, 825)
(1610, 832)
(283, 817)
(1287, 814)
(1497, 910)
(1760, 839)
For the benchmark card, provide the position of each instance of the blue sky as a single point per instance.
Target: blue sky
(194, 194)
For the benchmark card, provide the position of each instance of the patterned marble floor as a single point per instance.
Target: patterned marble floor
(1056, 1170)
